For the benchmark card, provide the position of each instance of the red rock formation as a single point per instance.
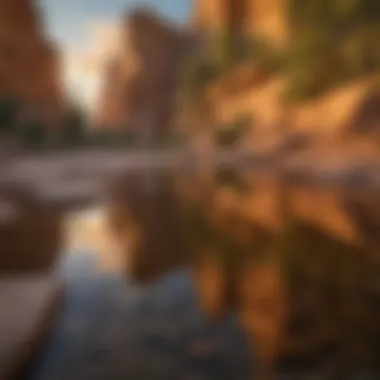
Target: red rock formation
(267, 19)
(264, 18)
(113, 103)
(29, 63)
(220, 14)
(140, 85)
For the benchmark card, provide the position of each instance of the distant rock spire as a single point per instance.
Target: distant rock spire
(140, 86)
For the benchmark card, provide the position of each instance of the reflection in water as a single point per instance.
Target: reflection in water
(87, 231)
(294, 263)
(298, 267)
(145, 220)
(307, 293)
(31, 239)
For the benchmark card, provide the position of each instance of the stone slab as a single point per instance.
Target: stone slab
(28, 308)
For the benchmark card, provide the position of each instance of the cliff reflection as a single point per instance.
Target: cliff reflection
(302, 273)
(31, 237)
(298, 265)
(144, 217)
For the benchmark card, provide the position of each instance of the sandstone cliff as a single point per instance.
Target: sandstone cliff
(253, 17)
(29, 63)
(338, 116)
(343, 114)
(140, 83)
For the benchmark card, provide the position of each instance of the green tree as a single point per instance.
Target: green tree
(231, 133)
(34, 135)
(74, 130)
(9, 109)
(196, 73)
(333, 41)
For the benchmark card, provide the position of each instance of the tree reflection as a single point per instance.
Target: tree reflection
(293, 263)
(301, 293)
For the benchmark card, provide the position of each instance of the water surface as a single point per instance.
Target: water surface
(218, 275)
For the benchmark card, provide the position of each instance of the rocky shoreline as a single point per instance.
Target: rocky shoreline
(75, 165)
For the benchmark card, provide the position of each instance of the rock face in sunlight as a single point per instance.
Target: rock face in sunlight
(220, 15)
(209, 14)
(140, 83)
(349, 112)
(113, 104)
(29, 69)
(334, 118)
(268, 19)
(265, 18)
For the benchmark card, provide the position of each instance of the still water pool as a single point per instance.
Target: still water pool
(219, 275)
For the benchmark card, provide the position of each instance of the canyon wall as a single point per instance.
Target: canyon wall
(141, 83)
(253, 17)
(267, 19)
(343, 113)
(29, 62)
(348, 114)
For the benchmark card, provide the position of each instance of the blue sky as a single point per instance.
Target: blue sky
(71, 24)
(67, 19)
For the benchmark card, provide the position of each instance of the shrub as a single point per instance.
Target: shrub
(332, 42)
(169, 140)
(9, 109)
(112, 138)
(34, 135)
(74, 129)
(196, 73)
(234, 180)
(229, 134)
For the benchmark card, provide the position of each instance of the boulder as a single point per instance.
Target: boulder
(26, 320)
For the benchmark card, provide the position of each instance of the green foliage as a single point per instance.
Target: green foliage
(229, 134)
(197, 72)
(260, 50)
(9, 109)
(124, 139)
(198, 230)
(227, 137)
(168, 141)
(73, 133)
(223, 52)
(74, 128)
(332, 42)
(34, 135)
(226, 49)
(232, 179)
(112, 138)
